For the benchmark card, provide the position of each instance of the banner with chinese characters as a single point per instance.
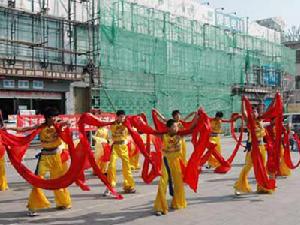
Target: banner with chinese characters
(32, 120)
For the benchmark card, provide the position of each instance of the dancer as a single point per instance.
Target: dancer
(242, 185)
(119, 134)
(49, 161)
(216, 131)
(176, 115)
(171, 172)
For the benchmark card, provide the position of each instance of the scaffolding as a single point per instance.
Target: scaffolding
(151, 58)
(58, 34)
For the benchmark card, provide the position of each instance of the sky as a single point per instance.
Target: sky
(289, 10)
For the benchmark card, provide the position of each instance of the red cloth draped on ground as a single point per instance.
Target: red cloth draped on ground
(259, 168)
(287, 150)
(17, 146)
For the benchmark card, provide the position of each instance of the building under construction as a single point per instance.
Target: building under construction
(47, 50)
(136, 55)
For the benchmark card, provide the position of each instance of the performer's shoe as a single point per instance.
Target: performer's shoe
(32, 213)
(63, 207)
(208, 167)
(129, 190)
(264, 192)
(158, 213)
(106, 193)
(237, 193)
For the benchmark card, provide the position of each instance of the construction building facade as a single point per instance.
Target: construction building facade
(136, 55)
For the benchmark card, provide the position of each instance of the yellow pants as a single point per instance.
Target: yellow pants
(37, 199)
(284, 170)
(212, 162)
(242, 184)
(134, 162)
(179, 201)
(183, 151)
(120, 151)
(99, 151)
(3, 180)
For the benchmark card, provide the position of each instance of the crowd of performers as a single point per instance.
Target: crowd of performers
(164, 149)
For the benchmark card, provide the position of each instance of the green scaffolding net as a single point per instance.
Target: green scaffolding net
(150, 58)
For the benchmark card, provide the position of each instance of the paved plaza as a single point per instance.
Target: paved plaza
(214, 204)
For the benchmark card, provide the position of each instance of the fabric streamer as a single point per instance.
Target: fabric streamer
(259, 168)
(17, 146)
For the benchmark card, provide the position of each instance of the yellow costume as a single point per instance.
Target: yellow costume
(134, 160)
(3, 180)
(101, 137)
(172, 153)
(120, 149)
(242, 184)
(183, 147)
(283, 168)
(216, 126)
(49, 161)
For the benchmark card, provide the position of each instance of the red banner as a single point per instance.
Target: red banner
(32, 120)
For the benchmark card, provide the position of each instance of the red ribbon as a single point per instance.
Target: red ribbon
(17, 146)
(259, 168)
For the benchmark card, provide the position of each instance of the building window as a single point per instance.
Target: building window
(23, 84)
(297, 56)
(297, 82)
(8, 83)
(38, 84)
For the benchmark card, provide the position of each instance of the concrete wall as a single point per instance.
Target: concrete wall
(70, 96)
(294, 108)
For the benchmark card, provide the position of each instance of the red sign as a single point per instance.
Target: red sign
(33, 120)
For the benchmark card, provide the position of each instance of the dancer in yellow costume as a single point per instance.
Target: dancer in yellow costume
(49, 161)
(171, 172)
(216, 127)
(119, 134)
(242, 184)
(177, 117)
(101, 137)
(3, 180)
(284, 170)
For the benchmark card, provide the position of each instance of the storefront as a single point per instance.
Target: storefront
(17, 94)
(13, 101)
